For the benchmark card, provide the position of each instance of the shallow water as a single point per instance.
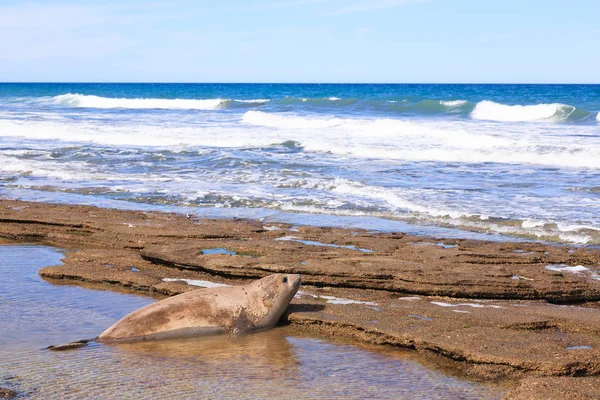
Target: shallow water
(274, 364)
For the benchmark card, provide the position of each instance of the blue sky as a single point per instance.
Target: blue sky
(525, 41)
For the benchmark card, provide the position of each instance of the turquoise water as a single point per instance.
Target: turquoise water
(518, 161)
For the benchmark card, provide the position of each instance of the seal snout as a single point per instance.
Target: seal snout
(294, 281)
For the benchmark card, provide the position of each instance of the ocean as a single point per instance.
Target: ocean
(491, 161)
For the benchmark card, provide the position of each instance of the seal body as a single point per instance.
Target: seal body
(233, 309)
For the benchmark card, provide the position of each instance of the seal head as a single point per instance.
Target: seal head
(278, 291)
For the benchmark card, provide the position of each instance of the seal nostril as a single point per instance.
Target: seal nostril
(285, 279)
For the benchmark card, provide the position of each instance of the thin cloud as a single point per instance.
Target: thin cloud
(64, 16)
(365, 6)
(283, 4)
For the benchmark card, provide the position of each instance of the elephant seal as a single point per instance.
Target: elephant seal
(231, 309)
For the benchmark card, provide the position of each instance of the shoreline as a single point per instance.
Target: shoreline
(493, 309)
(362, 222)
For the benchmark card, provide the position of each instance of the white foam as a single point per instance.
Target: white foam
(489, 110)
(196, 282)
(270, 228)
(287, 238)
(598, 116)
(288, 121)
(393, 198)
(441, 141)
(519, 277)
(474, 305)
(91, 101)
(442, 304)
(532, 223)
(253, 101)
(453, 103)
(410, 298)
(334, 300)
(135, 135)
(575, 227)
(361, 138)
(565, 268)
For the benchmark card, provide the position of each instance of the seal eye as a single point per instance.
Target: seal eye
(284, 279)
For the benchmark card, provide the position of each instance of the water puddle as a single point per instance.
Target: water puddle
(340, 300)
(313, 243)
(278, 363)
(218, 250)
(446, 246)
(474, 305)
(565, 268)
(270, 228)
(420, 317)
(337, 300)
(409, 298)
(439, 244)
(196, 282)
(578, 348)
(519, 277)
(577, 269)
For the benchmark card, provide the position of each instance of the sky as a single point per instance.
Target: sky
(377, 41)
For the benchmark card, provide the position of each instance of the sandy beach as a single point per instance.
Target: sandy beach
(517, 312)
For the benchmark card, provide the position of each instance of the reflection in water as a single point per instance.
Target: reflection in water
(278, 363)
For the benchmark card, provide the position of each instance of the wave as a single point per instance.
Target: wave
(401, 206)
(253, 101)
(91, 101)
(436, 141)
(482, 110)
(432, 140)
(288, 121)
(489, 110)
(453, 103)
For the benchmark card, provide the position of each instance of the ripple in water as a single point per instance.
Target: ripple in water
(274, 364)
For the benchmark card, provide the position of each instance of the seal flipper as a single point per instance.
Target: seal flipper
(71, 345)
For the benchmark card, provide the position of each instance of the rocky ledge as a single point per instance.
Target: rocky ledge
(506, 310)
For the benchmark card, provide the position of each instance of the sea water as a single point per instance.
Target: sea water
(519, 161)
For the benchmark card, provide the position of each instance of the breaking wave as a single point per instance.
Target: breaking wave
(395, 139)
(489, 110)
(482, 110)
(91, 101)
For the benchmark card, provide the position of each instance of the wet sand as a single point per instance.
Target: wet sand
(491, 310)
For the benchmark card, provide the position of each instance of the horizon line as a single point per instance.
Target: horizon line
(296, 83)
